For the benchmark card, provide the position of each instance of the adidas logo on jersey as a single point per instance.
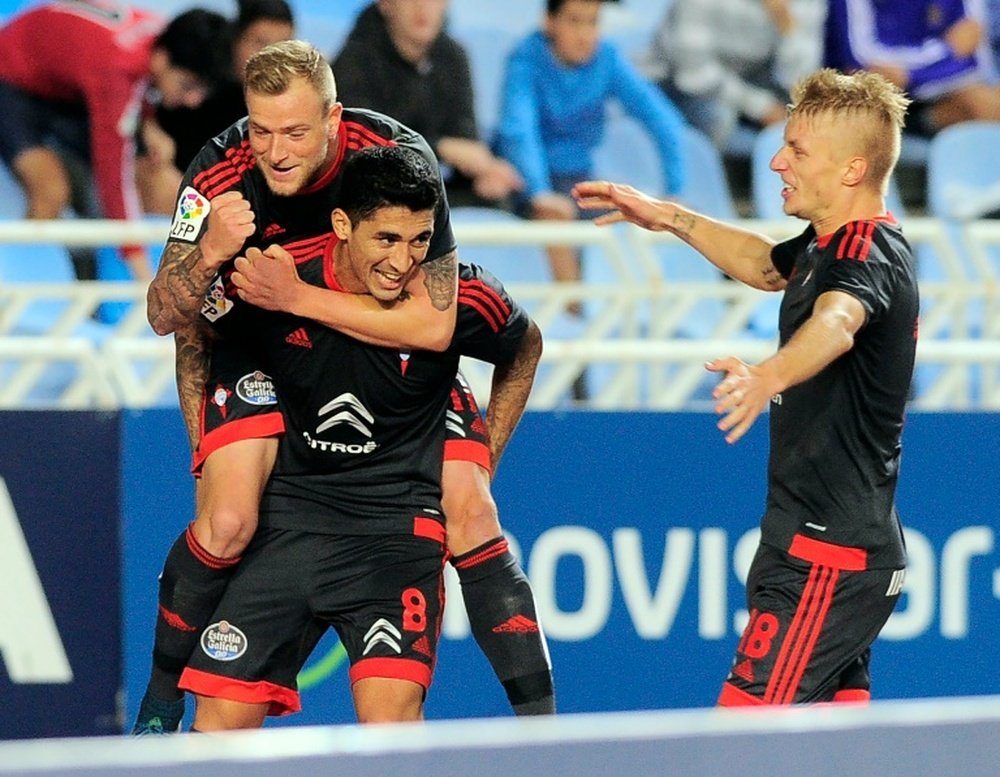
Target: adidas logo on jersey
(300, 338)
(273, 229)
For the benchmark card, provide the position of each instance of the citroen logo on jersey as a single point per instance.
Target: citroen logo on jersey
(344, 409)
(382, 632)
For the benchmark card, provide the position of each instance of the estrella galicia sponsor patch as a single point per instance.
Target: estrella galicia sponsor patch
(216, 303)
(192, 210)
(256, 389)
(223, 641)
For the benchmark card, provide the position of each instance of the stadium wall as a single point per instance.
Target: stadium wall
(635, 528)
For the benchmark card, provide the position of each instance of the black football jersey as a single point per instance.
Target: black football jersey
(835, 438)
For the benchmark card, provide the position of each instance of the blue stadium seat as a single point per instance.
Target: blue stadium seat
(963, 171)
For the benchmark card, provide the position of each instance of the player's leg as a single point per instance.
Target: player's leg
(224, 715)
(812, 616)
(497, 593)
(234, 459)
(386, 607)
(383, 700)
(246, 660)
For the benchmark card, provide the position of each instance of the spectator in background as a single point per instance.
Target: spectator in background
(557, 85)
(398, 60)
(993, 20)
(172, 137)
(937, 51)
(727, 62)
(72, 71)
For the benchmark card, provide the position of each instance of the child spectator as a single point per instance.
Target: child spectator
(557, 86)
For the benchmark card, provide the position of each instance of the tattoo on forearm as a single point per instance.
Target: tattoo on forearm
(771, 276)
(178, 290)
(439, 280)
(511, 387)
(682, 224)
(192, 349)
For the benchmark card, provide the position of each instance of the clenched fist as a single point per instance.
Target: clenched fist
(230, 223)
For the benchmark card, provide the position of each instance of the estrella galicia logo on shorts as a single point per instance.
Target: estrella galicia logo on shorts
(256, 389)
(192, 210)
(223, 641)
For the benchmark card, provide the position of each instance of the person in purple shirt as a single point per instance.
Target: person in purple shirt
(557, 85)
(936, 50)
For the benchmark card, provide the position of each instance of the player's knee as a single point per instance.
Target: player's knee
(225, 531)
(392, 710)
(471, 522)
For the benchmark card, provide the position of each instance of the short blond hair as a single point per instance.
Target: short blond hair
(871, 101)
(271, 70)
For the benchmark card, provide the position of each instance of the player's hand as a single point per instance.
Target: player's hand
(740, 397)
(267, 279)
(230, 223)
(625, 203)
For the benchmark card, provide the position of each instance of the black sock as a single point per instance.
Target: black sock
(501, 611)
(191, 585)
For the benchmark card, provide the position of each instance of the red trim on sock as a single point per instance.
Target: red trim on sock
(731, 696)
(204, 556)
(280, 700)
(492, 549)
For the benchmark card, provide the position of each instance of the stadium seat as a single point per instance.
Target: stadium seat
(487, 48)
(963, 171)
(12, 204)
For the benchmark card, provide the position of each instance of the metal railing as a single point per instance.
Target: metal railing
(654, 313)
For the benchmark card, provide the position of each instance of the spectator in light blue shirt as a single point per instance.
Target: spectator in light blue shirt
(557, 86)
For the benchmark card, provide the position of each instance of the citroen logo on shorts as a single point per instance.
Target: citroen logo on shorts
(385, 632)
(223, 641)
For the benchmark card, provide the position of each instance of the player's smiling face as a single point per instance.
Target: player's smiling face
(379, 254)
(292, 137)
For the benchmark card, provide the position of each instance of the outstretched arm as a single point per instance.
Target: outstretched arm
(509, 394)
(738, 252)
(177, 291)
(425, 319)
(744, 392)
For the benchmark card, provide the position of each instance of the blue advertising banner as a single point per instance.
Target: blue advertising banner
(60, 639)
(636, 530)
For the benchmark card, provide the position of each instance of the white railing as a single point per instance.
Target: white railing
(654, 313)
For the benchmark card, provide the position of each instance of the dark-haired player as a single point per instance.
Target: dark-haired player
(351, 530)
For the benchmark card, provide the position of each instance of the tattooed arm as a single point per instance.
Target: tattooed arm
(740, 253)
(186, 269)
(192, 348)
(510, 389)
(422, 318)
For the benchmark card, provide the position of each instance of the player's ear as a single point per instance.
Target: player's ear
(341, 224)
(333, 119)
